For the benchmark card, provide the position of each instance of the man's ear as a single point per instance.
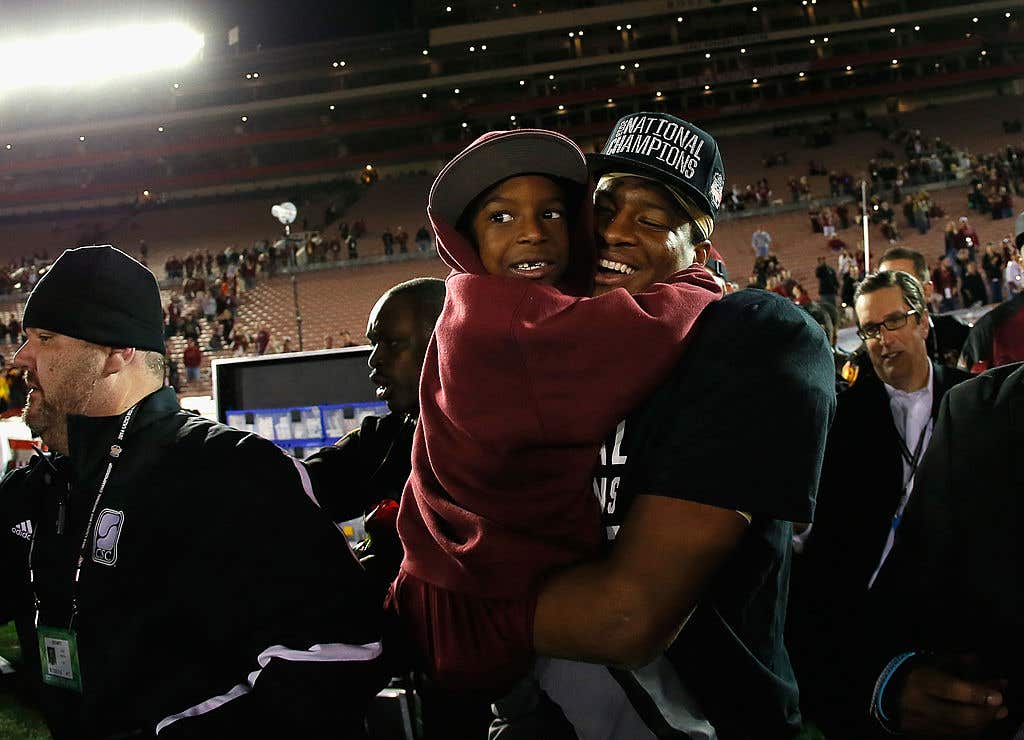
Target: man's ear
(118, 359)
(701, 252)
(925, 326)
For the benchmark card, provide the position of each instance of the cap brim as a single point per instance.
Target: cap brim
(505, 155)
(602, 164)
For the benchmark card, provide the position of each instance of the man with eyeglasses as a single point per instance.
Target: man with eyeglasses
(882, 427)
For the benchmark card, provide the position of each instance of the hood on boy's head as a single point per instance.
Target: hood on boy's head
(497, 156)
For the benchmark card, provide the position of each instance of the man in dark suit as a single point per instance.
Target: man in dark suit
(882, 426)
(954, 579)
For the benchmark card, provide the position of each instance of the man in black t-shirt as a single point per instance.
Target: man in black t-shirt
(692, 593)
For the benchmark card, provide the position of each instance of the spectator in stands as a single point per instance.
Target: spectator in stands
(761, 242)
(209, 307)
(3, 332)
(240, 343)
(346, 339)
(1012, 274)
(193, 359)
(216, 340)
(262, 340)
(968, 236)
(329, 341)
(389, 242)
(973, 287)
(997, 338)
(423, 239)
(14, 330)
(992, 266)
(947, 285)
(947, 333)
(285, 346)
(828, 282)
(402, 237)
(353, 247)
(891, 412)
(850, 281)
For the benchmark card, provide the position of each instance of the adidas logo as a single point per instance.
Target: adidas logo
(23, 530)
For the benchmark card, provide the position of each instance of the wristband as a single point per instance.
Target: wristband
(883, 681)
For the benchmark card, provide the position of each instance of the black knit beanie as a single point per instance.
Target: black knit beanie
(99, 295)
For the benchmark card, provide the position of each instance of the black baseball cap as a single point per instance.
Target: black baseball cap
(669, 150)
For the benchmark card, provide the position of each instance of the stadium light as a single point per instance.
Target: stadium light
(96, 56)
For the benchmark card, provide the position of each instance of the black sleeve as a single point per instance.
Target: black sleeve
(288, 603)
(757, 384)
(978, 347)
(340, 474)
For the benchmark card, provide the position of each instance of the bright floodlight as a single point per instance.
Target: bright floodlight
(96, 56)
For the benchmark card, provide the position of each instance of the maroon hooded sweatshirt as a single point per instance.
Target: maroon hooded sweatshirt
(520, 385)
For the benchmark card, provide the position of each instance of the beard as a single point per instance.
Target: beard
(46, 414)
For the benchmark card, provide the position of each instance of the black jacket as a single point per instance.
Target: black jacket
(218, 564)
(955, 576)
(367, 467)
(861, 485)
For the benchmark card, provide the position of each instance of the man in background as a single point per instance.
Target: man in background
(886, 416)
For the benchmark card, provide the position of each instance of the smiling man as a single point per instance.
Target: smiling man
(677, 632)
(888, 416)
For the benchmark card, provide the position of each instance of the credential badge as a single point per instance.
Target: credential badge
(106, 533)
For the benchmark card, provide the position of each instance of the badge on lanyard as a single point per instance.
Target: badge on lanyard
(58, 658)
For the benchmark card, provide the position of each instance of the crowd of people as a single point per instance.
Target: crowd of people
(569, 559)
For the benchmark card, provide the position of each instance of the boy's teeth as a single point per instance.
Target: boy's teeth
(616, 266)
(528, 265)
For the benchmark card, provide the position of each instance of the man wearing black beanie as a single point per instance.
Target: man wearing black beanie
(147, 604)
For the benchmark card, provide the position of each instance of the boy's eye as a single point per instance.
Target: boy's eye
(500, 217)
(554, 213)
(653, 224)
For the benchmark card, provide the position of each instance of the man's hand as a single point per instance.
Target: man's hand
(934, 703)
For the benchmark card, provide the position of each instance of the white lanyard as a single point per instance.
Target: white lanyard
(115, 453)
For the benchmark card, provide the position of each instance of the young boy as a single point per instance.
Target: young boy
(521, 383)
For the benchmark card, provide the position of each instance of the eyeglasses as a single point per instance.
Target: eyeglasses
(874, 331)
